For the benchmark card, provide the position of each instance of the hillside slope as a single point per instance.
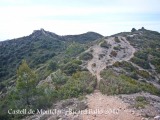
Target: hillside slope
(37, 48)
(116, 53)
(110, 59)
(86, 72)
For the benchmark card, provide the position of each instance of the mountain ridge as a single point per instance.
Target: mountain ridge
(42, 31)
(39, 45)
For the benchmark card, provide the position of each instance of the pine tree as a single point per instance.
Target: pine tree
(26, 85)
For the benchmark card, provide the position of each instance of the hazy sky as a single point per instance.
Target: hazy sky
(20, 17)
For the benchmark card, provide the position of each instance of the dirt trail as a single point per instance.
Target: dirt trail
(102, 57)
(105, 107)
(110, 107)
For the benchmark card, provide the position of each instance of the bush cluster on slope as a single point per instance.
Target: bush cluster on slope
(121, 84)
(104, 44)
(86, 56)
(128, 67)
(27, 96)
(148, 44)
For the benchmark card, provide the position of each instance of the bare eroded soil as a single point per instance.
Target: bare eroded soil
(105, 107)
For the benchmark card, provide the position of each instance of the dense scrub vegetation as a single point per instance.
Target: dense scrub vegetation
(134, 72)
(70, 68)
(74, 49)
(146, 57)
(46, 53)
(148, 44)
(56, 72)
(141, 59)
(38, 48)
(117, 48)
(83, 38)
(23, 96)
(117, 40)
(80, 83)
(86, 56)
(141, 102)
(104, 44)
(121, 84)
(27, 96)
(35, 51)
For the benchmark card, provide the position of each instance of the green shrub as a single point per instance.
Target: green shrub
(140, 99)
(121, 84)
(141, 102)
(79, 84)
(134, 75)
(52, 66)
(117, 40)
(142, 63)
(143, 73)
(117, 64)
(59, 78)
(86, 56)
(139, 105)
(117, 48)
(156, 63)
(142, 55)
(71, 68)
(79, 62)
(126, 65)
(133, 30)
(74, 49)
(113, 53)
(113, 84)
(134, 71)
(104, 44)
(43, 72)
